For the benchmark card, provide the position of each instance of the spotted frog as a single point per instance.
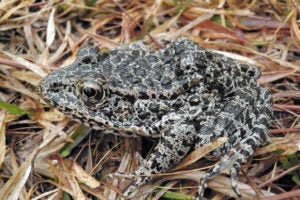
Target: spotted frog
(183, 95)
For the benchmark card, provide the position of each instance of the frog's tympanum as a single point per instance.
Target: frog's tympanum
(183, 94)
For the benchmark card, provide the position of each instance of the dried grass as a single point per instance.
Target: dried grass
(38, 37)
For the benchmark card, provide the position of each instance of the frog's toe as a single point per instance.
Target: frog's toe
(129, 191)
(202, 186)
(233, 175)
(121, 175)
(203, 181)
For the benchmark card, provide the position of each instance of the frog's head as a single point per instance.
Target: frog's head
(82, 92)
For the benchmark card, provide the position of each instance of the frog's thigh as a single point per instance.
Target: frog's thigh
(174, 144)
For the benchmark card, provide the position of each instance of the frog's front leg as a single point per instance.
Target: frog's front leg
(244, 120)
(174, 144)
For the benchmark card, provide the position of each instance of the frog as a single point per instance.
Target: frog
(182, 95)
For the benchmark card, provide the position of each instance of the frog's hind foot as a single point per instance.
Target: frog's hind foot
(228, 162)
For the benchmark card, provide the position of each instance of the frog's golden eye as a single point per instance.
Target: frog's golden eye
(91, 93)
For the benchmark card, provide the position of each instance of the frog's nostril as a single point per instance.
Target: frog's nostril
(39, 88)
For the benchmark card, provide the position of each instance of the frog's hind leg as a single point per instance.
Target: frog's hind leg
(174, 144)
(232, 161)
(247, 131)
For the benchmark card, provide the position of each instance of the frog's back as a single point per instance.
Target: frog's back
(134, 70)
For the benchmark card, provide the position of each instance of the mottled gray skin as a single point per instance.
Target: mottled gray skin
(183, 94)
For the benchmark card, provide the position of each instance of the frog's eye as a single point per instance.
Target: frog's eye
(91, 93)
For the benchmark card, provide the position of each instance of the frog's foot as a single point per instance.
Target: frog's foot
(172, 147)
(228, 162)
(140, 176)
